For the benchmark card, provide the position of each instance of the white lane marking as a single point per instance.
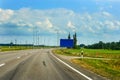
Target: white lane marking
(18, 57)
(2, 64)
(72, 68)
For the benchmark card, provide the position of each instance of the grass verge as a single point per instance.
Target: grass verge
(107, 68)
(8, 48)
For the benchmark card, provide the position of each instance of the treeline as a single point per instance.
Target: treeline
(11, 44)
(102, 45)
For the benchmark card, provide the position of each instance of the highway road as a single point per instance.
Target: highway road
(40, 64)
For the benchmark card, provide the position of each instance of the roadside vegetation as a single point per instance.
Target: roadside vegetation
(12, 48)
(102, 45)
(107, 64)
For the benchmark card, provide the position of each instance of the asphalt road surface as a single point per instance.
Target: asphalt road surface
(39, 64)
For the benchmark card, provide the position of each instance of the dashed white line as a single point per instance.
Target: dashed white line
(72, 68)
(2, 64)
(18, 57)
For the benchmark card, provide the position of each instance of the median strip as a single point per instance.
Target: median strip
(2, 64)
(72, 68)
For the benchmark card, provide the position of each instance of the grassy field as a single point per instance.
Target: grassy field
(107, 68)
(99, 53)
(12, 48)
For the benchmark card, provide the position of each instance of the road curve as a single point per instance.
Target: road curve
(38, 64)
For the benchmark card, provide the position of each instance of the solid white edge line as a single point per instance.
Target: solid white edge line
(72, 68)
(2, 64)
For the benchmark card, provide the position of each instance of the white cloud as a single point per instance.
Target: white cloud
(48, 24)
(113, 25)
(106, 14)
(70, 25)
(64, 20)
(91, 30)
(38, 24)
(30, 30)
(5, 14)
(118, 23)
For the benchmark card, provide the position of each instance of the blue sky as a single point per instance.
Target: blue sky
(93, 20)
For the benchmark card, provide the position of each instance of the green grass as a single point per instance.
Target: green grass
(107, 68)
(12, 48)
(99, 53)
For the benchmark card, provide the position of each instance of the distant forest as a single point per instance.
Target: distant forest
(102, 45)
(11, 44)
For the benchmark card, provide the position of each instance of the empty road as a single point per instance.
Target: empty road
(39, 64)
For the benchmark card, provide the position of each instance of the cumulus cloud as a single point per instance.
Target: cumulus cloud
(113, 25)
(48, 24)
(70, 25)
(106, 14)
(5, 14)
(38, 23)
(47, 21)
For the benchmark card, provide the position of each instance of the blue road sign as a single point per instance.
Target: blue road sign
(69, 43)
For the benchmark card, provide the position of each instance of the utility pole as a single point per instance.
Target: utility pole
(36, 36)
(15, 42)
(33, 36)
(57, 39)
(44, 41)
(38, 40)
(26, 43)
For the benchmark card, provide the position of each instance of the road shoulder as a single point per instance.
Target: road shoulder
(68, 60)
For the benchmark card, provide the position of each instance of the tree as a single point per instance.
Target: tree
(69, 36)
(112, 45)
(82, 45)
(108, 45)
(101, 45)
(75, 40)
(118, 45)
(11, 43)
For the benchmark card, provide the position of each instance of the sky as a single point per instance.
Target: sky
(50, 20)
